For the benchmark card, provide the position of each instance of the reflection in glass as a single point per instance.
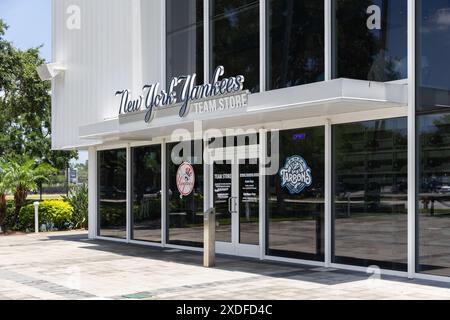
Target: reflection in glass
(222, 194)
(433, 94)
(433, 47)
(235, 39)
(249, 202)
(146, 193)
(249, 139)
(434, 194)
(184, 38)
(296, 220)
(370, 39)
(295, 42)
(112, 193)
(185, 213)
(370, 193)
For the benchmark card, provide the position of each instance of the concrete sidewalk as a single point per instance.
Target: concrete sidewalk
(69, 266)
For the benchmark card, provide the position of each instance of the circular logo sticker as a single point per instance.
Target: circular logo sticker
(185, 179)
(296, 175)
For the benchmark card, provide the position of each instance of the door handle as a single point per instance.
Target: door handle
(230, 205)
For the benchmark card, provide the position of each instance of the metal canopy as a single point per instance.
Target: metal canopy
(328, 98)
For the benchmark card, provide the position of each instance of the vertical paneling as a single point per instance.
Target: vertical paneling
(112, 50)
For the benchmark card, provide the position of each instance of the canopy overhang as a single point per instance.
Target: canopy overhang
(328, 98)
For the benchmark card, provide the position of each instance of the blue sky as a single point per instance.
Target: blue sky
(29, 23)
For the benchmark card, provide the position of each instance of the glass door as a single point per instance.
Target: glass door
(222, 197)
(249, 202)
(235, 196)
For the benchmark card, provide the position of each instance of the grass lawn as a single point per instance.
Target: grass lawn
(36, 197)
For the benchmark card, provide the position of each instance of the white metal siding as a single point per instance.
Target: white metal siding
(105, 55)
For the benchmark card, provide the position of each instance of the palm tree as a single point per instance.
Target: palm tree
(23, 178)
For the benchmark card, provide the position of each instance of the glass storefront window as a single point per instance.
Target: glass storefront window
(433, 137)
(235, 39)
(370, 193)
(112, 193)
(146, 193)
(433, 52)
(295, 196)
(370, 39)
(433, 219)
(295, 42)
(184, 38)
(185, 212)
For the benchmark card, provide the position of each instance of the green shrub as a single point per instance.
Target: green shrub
(56, 213)
(9, 221)
(78, 199)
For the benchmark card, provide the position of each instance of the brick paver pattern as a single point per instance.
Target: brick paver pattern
(68, 266)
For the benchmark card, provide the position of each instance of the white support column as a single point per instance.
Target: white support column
(328, 193)
(163, 193)
(328, 40)
(92, 181)
(206, 41)
(207, 201)
(262, 47)
(129, 196)
(411, 140)
(207, 183)
(262, 192)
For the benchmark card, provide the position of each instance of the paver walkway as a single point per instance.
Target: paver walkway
(69, 266)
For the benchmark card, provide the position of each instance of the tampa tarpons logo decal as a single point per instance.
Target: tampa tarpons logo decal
(296, 175)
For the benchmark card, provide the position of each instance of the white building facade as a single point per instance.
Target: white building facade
(318, 130)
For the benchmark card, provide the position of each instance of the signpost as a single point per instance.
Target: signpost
(73, 176)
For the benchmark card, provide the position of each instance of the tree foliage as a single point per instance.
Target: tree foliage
(4, 189)
(25, 104)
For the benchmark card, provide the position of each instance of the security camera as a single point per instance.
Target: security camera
(49, 71)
